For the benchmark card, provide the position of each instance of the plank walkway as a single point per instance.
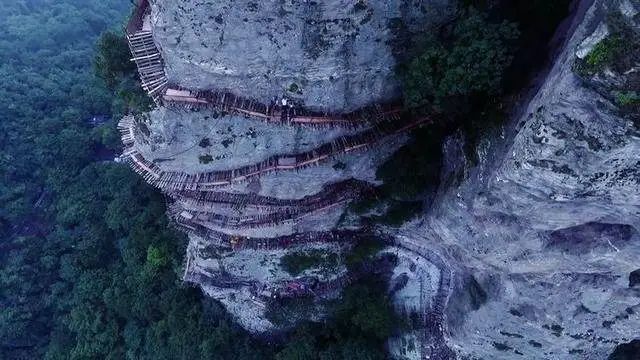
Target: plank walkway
(219, 239)
(145, 53)
(180, 181)
(150, 64)
(433, 344)
(275, 112)
(207, 202)
(266, 219)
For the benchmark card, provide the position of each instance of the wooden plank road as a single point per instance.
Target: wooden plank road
(150, 64)
(218, 239)
(275, 112)
(180, 181)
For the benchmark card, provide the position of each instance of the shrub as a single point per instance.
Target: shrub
(363, 251)
(297, 262)
(617, 51)
(603, 54)
(401, 211)
(205, 159)
(112, 58)
(414, 168)
(627, 98)
(471, 59)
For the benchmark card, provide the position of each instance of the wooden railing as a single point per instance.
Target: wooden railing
(265, 219)
(179, 181)
(150, 66)
(276, 112)
(271, 211)
(219, 239)
(211, 201)
(146, 54)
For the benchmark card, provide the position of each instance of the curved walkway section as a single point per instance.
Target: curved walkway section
(433, 341)
(281, 111)
(150, 64)
(211, 201)
(266, 219)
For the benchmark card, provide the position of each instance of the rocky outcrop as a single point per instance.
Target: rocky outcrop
(330, 55)
(272, 116)
(547, 225)
(271, 119)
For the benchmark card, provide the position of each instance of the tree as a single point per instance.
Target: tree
(112, 60)
(470, 60)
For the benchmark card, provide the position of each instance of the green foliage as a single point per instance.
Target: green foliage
(287, 312)
(366, 203)
(297, 262)
(122, 274)
(470, 60)
(401, 211)
(91, 271)
(357, 328)
(90, 266)
(603, 54)
(415, 168)
(618, 51)
(363, 251)
(627, 98)
(112, 64)
(156, 257)
(112, 61)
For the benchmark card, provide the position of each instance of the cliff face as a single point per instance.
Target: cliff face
(543, 235)
(266, 110)
(272, 116)
(331, 55)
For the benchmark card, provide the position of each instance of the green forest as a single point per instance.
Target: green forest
(90, 263)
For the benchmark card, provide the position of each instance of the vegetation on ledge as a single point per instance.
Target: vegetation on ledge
(297, 262)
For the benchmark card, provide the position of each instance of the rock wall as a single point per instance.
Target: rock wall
(543, 235)
(272, 116)
(333, 54)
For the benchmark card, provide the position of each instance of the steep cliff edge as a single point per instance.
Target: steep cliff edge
(542, 237)
(271, 118)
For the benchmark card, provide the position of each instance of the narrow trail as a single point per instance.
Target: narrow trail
(180, 181)
(281, 217)
(433, 344)
(266, 211)
(276, 111)
(208, 202)
(150, 64)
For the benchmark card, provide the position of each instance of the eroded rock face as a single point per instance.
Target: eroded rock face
(547, 223)
(333, 55)
(272, 117)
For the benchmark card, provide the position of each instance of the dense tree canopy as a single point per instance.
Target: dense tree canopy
(90, 264)
(470, 60)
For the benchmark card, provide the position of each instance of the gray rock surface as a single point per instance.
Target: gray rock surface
(330, 54)
(547, 224)
(178, 139)
(533, 253)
